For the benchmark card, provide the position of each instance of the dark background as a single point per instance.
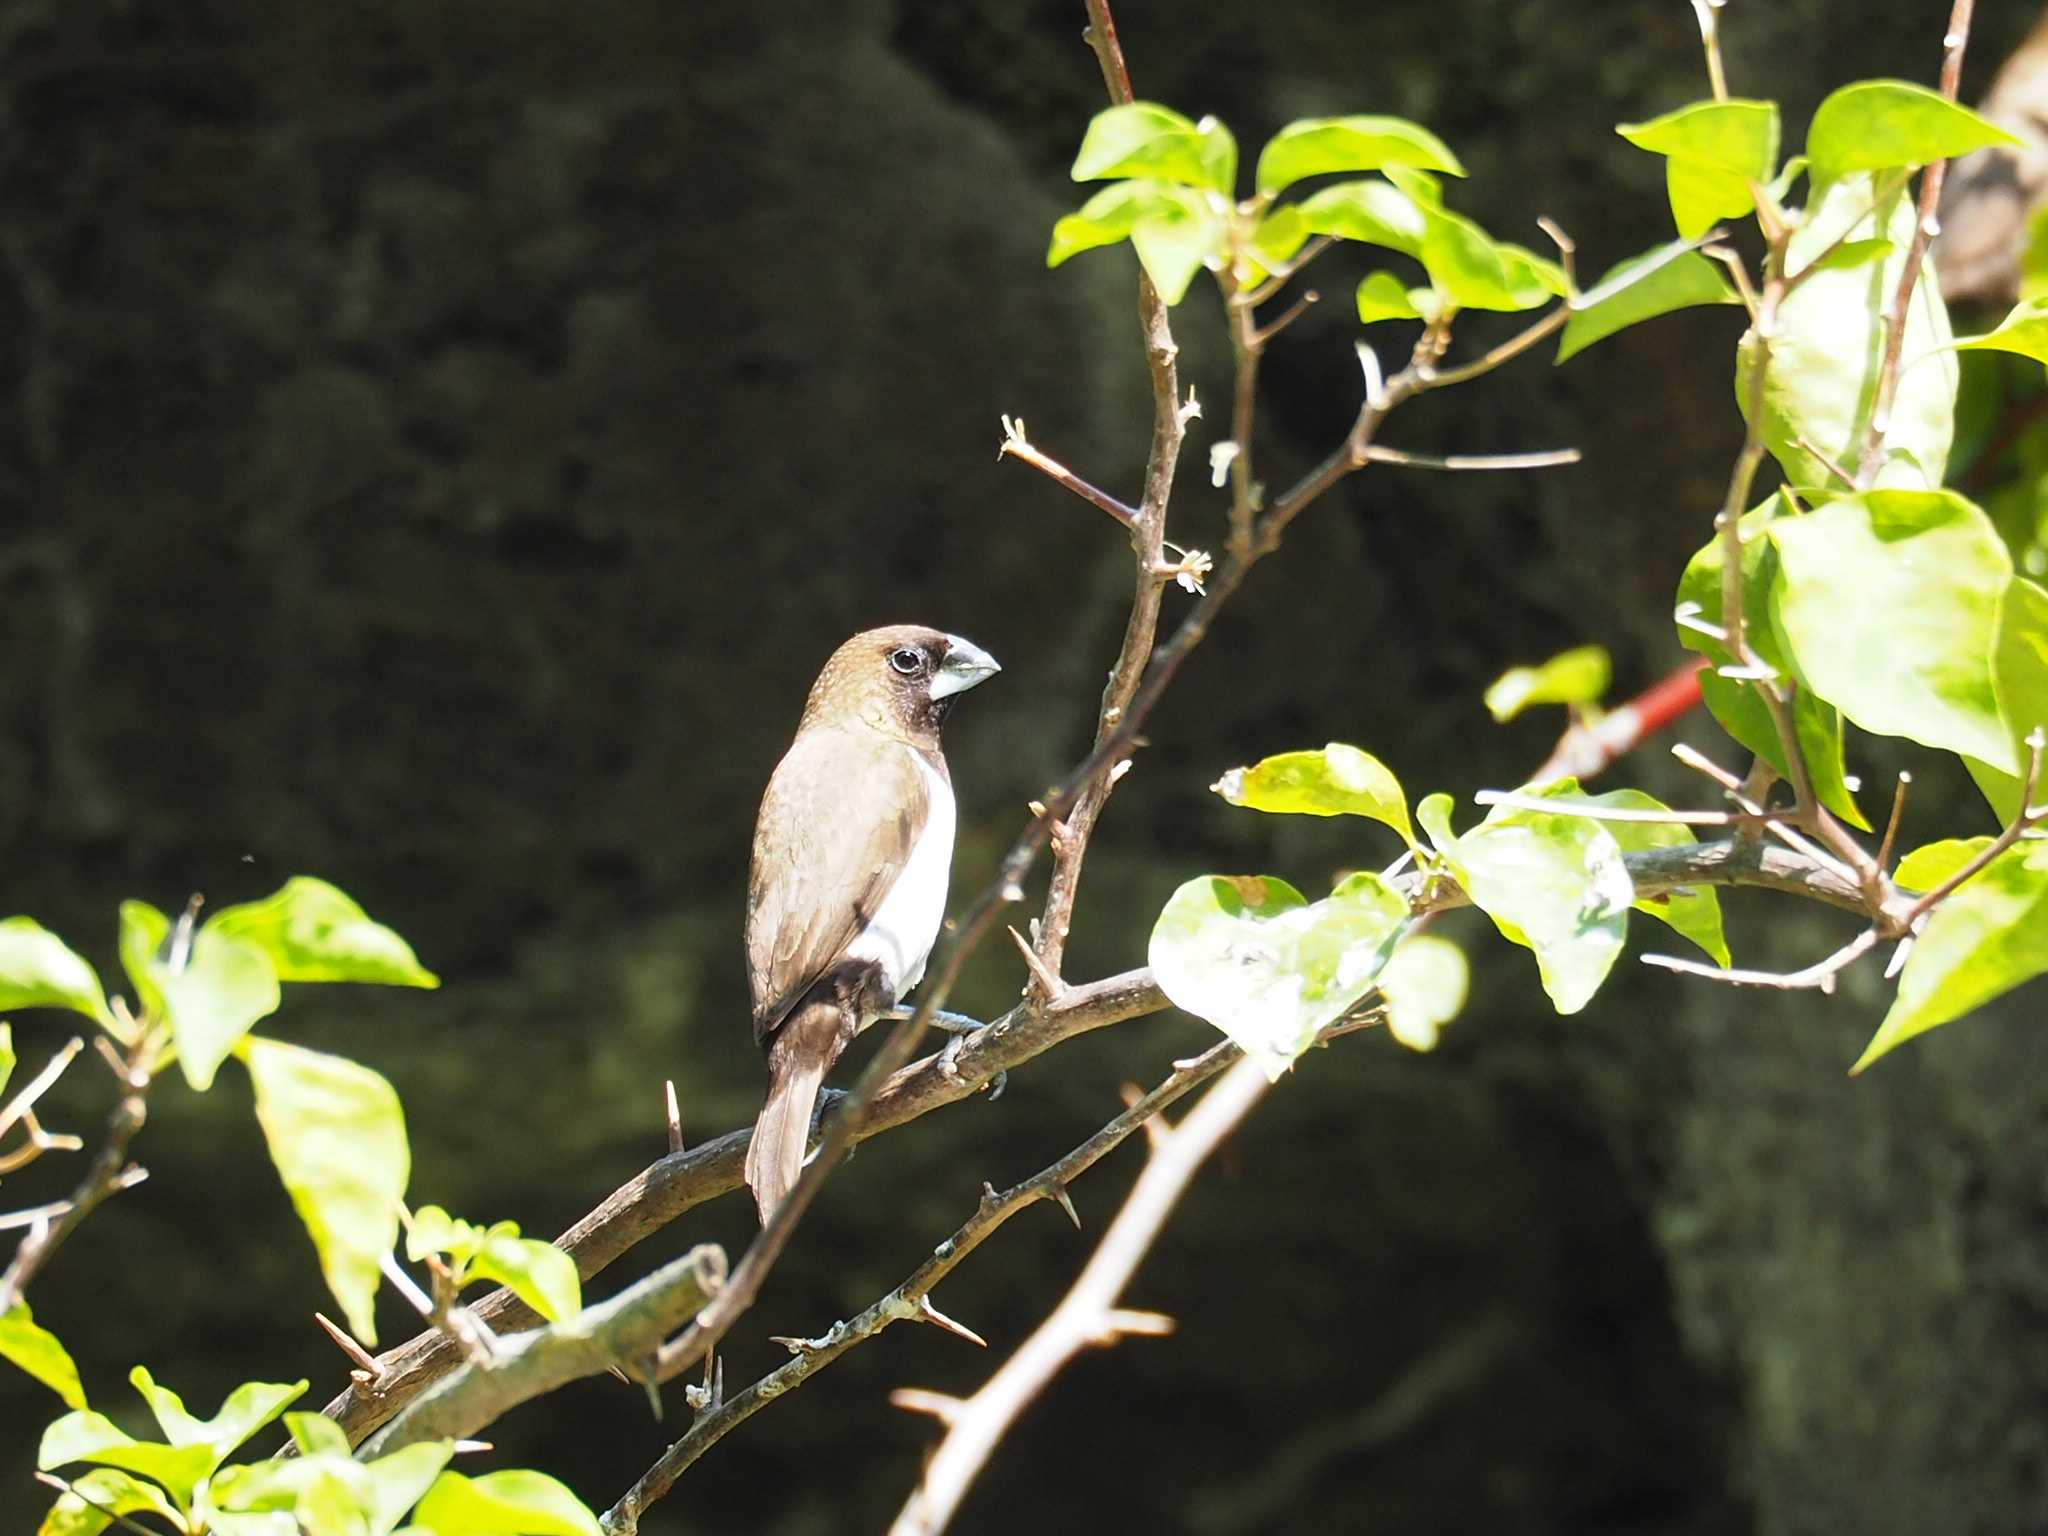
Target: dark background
(438, 444)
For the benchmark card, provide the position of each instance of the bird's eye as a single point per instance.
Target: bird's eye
(907, 661)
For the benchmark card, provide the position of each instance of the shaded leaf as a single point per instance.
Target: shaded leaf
(513, 1503)
(337, 1136)
(313, 932)
(1339, 780)
(1424, 985)
(37, 1350)
(1577, 676)
(38, 970)
(1682, 282)
(1319, 146)
(1877, 125)
(1888, 603)
(1267, 967)
(1984, 940)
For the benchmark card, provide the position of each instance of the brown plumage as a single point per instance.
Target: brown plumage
(851, 854)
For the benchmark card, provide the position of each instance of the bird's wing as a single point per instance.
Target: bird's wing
(842, 813)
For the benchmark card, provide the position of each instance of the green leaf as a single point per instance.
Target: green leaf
(1554, 883)
(1696, 913)
(1577, 676)
(7, 1056)
(1736, 704)
(227, 985)
(1472, 270)
(1829, 349)
(1424, 985)
(36, 1350)
(337, 1136)
(1142, 138)
(1877, 125)
(143, 932)
(2019, 678)
(247, 1409)
(96, 1497)
(313, 932)
(513, 1503)
(1682, 282)
(90, 1437)
(1739, 137)
(1984, 940)
(1371, 212)
(1317, 146)
(1339, 780)
(1265, 966)
(2024, 332)
(1433, 815)
(1926, 867)
(1175, 231)
(1714, 151)
(329, 1492)
(1849, 255)
(1276, 237)
(540, 1274)
(316, 1434)
(1888, 603)
(1383, 296)
(37, 970)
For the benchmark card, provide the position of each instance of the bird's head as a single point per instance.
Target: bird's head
(901, 680)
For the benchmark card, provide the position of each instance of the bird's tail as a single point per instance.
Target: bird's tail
(800, 1055)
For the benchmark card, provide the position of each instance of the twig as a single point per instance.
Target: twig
(1017, 446)
(51, 1480)
(675, 1116)
(1891, 827)
(1553, 458)
(1819, 976)
(1088, 1314)
(1521, 802)
(904, 1304)
(1710, 40)
(1925, 225)
(1589, 746)
(2025, 818)
(25, 1101)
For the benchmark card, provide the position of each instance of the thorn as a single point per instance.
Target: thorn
(940, 1405)
(366, 1362)
(1119, 768)
(1123, 1322)
(1899, 958)
(933, 1315)
(473, 1447)
(1065, 1202)
(1048, 983)
(675, 1117)
(1036, 807)
(989, 1197)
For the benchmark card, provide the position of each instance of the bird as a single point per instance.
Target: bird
(853, 848)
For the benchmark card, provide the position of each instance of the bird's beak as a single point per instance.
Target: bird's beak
(965, 665)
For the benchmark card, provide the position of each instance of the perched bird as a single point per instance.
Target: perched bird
(852, 851)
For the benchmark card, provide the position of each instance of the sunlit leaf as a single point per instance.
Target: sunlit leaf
(1694, 913)
(1926, 867)
(1339, 780)
(513, 1503)
(1715, 150)
(337, 1136)
(1888, 603)
(540, 1274)
(2019, 678)
(1372, 212)
(1383, 296)
(1736, 704)
(143, 932)
(1424, 985)
(329, 1493)
(1983, 940)
(316, 1434)
(1554, 883)
(93, 1438)
(2023, 332)
(7, 1056)
(1265, 966)
(37, 970)
(1323, 145)
(1701, 196)
(90, 1505)
(1578, 676)
(226, 986)
(248, 1409)
(1142, 138)
(1828, 350)
(1174, 230)
(1681, 282)
(313, 932)
(1281, 233)
(37, 1350)
(1877, 125)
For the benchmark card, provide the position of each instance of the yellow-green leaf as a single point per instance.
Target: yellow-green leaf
(1575, 677)
(37, 1350)
(513, 1503)
(1339, 780)
(38, 970)
(1318, 146)
(314, 932)
(1424, 985)
(1876, 125)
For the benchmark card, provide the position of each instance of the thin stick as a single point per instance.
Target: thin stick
(1819, 976)
(1552, 458)
(1088, 1313)
(1017, 446)
(1558, 807)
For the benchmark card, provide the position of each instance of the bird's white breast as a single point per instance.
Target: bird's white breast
(900, 935)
